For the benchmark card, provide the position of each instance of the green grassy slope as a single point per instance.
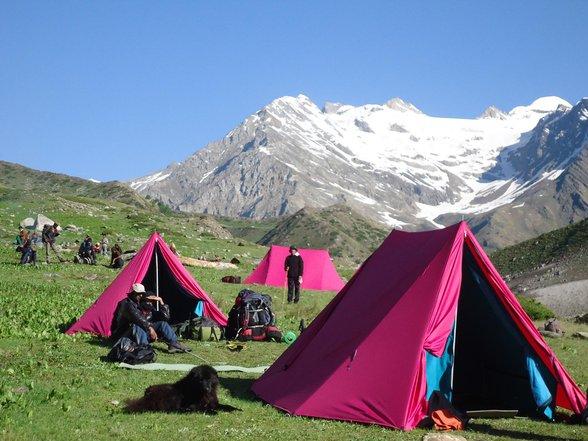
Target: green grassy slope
(349, 237)
(24, 178)
(556, 257)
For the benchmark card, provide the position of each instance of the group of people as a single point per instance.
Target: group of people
(88, 250)
(27, 243)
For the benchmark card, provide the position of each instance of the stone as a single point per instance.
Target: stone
(582, 335)
(443, 436)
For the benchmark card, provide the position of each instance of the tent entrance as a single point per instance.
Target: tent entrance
(181, 303)
(494, 366)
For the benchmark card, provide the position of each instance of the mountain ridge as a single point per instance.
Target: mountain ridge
(390, 162)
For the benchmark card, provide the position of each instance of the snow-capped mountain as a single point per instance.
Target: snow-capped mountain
(391, 162)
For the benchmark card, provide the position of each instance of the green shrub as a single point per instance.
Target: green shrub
(535, 310)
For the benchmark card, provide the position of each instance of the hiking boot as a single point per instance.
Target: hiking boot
(175, 347)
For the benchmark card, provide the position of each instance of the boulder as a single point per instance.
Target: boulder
(582, 335)
(550, 334)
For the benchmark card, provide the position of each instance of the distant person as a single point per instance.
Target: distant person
(86, 252)
(104, 243)
(294, 267)
(131, 320)
(116, 259)
(50, 232)
(19, 240)
(27, 250)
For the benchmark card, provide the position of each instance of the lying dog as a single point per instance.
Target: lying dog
(196, 392)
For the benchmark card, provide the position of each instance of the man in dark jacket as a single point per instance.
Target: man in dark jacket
(294, 267)
(130, 319)
(50, 232)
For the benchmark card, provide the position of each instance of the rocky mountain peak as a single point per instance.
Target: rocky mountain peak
(401, 105)
(493, 112)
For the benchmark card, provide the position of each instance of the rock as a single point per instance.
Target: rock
(72, 227)
(20, 390)
(91, 277)
(550, 334)
(436, 436)
(583, 318)
(582, 335)
(235, 261)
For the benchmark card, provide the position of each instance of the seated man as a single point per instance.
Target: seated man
(130, 319)
(86, 252)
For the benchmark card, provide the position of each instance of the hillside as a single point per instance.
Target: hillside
(555, 257)
(24, 178)
(349, 237)
(93, 208)
(553, 268)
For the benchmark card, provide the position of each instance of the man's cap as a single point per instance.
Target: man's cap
(293, 248)
(138, 288)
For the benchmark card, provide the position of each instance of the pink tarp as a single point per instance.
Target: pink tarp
(319, 271)
(373, 370)
(98, 317)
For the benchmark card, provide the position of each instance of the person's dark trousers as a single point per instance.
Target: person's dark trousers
(50, 245)
(293, 289)
(163, 330)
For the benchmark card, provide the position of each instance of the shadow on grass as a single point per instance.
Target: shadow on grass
(513, 434)
(239, 387)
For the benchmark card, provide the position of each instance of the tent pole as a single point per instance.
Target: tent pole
(453, 351)
(156, 279)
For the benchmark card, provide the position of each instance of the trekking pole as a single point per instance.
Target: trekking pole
(282, 309)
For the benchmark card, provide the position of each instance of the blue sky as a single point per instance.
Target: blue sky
(115, 90)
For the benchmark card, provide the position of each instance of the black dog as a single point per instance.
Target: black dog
(196, 392)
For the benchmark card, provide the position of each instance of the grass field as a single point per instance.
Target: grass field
(55, 387)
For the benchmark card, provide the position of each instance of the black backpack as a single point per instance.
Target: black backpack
(250, 316)
(127, 351)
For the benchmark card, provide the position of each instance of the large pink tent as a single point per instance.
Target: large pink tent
(319, 271)
(426, 312)
(160, 270)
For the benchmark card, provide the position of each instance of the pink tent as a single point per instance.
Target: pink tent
(319, 271)
(159, 270)
(426, 312)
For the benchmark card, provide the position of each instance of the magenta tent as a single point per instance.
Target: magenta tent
(319, 271)
(160, 270)
(426, 312)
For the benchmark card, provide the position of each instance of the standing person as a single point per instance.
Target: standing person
(29, 252)
(48, 236)
(104, 245)
(294, 267)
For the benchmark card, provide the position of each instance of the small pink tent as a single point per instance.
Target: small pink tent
(319, 271)
(426, 312)
(156, 267)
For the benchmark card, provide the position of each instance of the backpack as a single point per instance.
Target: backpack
(199, 328)
(250, 316)
(126, 350)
